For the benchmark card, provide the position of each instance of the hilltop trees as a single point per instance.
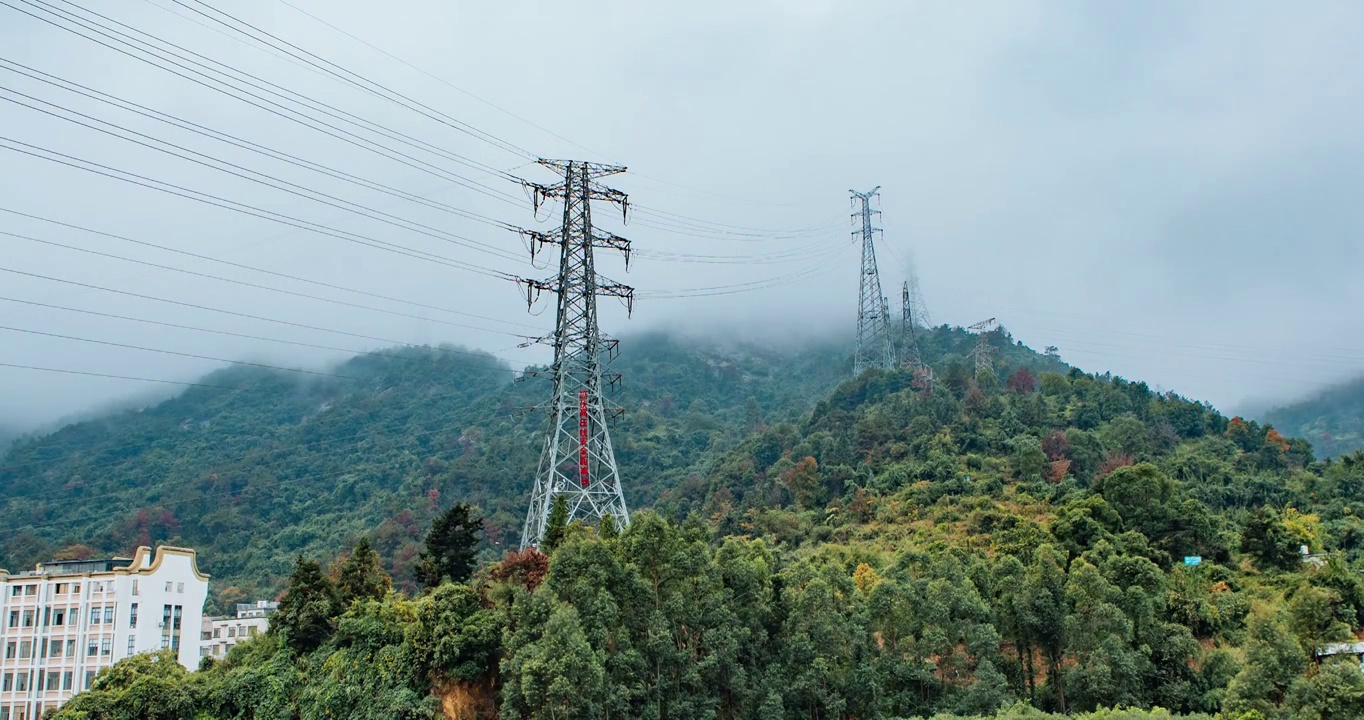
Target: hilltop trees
(451, 545)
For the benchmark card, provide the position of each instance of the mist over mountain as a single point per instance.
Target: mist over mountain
(1332, 419)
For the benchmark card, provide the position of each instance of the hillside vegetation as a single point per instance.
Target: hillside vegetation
(251, 477)
(903, 548)
(1333, 420)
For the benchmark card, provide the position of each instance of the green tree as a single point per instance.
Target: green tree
(451, 547)
(308, 610)
(1274, 661)
(1265, 538)
(361, 576)
(556, 525)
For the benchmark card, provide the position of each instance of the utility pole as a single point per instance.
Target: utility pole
(577, 461)
(983, 353)
(874, 347)
(910, 354)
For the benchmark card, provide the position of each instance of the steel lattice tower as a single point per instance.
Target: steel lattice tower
(910, 354)
(577, 461)
(874, 342)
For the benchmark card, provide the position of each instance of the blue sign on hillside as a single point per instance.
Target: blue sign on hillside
(1192, 560)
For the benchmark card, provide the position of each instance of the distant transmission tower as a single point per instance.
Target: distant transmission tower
(911, 355)
(874, 346)
(983, 353)
(577, 461)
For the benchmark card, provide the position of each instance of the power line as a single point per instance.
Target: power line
(268, 180)
(302, 118)
(228, 138)
(217, 201)
(315, 104)
(222, 311)
(115, 377)
(424, 110)
(160, 323)
(438, 78)
(171, 352)
(262, 287)
(241, 266)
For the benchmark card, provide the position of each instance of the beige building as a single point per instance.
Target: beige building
(64, 621)
(220, 634)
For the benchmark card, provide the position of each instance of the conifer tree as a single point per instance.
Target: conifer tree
(361, 576)
(558, 523)
(451, 545)
(307, 613)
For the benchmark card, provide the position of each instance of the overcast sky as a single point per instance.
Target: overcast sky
(1166, 190)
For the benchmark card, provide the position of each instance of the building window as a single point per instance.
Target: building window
(56, 648)
(66, 680)
(59, 617)
(132, 616)
(14, 618)
(47, 617)
(75, 587)
(134, 586)
(28, 618)
(9, 650)
(165, 616)
(54, 680)
(106, 647)
(168, 586)
(96, 586)
(165, 641)
(217, 633)
(131, 644)
(92, 649)
(71, 648)
(94, 616)
(231, 632)
(4, 712)
(109, 615)
(25, 649)
(89, 679)
(15, 590)
(30, 589)
(8, 683)
(21, 682)
(203, 651)
(60, 588)
(179, 587)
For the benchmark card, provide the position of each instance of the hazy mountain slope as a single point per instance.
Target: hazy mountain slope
(253, 476)
(1333, 420)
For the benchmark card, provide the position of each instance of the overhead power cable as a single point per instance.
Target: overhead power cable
(456, 88)
(223, 311)
(263, 178)
(115, 377)
(160, 323)
(171, 352)
(294, 115)
(363, 83)
(286, 276)
(259, 82)
(228, 138)
(244, 283)
(245, 209)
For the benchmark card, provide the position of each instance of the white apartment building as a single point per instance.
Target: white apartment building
(64, 621)
(220, 634)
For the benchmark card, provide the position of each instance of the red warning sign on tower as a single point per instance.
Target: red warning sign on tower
(582, 437)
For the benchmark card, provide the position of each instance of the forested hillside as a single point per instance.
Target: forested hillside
(254, 475)
(1332, 419)
(1026, 534)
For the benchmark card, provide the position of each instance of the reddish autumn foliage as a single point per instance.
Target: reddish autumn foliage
(526, 568)
(1059, 468)
(1113, 463)
(1272, 437)
(1022, 382)
(1056, 446)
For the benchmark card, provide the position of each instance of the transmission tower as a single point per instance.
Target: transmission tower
(577, 461)
(910, 353)
(874, 343)
(983, 352)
